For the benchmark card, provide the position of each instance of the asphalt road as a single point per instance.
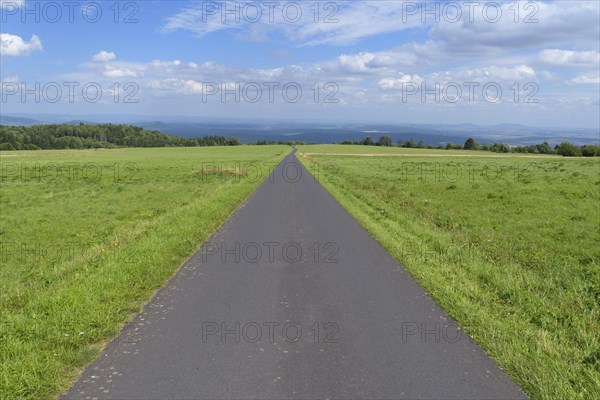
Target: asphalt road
(291, 298)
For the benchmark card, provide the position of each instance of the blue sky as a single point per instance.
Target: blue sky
(371, 60)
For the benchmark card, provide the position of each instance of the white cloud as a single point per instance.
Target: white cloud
(11, 79)
(337, 23)
(168, 66)
(554, 26)
(194, 19)
(192, 86)
(121, 72)
(104, 56)
(13, 45)
(517, 73)
(567, 58)
(397, 83)
(12, 3)
(355, 62)
(174, 85)
(537, 23)
(586, 80)
(355, 21)
(505, 52)
(484, 75)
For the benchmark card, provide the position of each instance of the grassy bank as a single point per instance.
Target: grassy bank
(508, 246)
(87, 236)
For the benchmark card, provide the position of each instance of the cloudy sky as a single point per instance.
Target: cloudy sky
(535, 63)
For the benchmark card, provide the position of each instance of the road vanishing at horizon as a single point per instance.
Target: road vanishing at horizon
(292, 299)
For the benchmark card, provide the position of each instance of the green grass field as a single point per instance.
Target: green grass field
(508, 246)
(87, 236)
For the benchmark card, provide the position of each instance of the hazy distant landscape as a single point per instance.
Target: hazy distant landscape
(252, 131)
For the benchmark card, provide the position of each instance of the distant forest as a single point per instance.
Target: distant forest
(82, 136)
(566, 149)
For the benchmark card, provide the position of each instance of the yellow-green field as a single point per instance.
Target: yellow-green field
(507, 245)
(87, 236)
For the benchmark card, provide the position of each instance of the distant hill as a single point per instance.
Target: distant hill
(17, 121)
(79, 122)
(319, 132)
(252, 132)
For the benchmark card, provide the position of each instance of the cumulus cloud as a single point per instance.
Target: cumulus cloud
(170, 85)
(567, 58)
(484, 75)
(121, 72)
(495, 73)
(468, 43)
(398, 83)
(13, 45)
(104, 56)
(586, 80)
(356, 62)
(505, 52)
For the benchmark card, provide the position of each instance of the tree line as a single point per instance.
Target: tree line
(566, 149)
(82, 136)
(60, 136)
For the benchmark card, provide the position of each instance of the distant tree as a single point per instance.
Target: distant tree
(485, 147)
(544, 148)
(347, 142)
(367, 141)
(590, 151)
(421, 144)
(453, 146)
(385, 140)
(232, 141)
(471, 144)
(500, 148)
(524, 149)
(6, 146)
(400, 143)
(83, 136)
(568, 150)
(411, 144)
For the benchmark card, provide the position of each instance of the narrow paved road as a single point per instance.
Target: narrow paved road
(291, 298)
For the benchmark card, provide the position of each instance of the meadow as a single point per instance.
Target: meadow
(87, 236)
(507, 245)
